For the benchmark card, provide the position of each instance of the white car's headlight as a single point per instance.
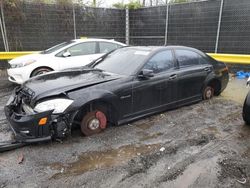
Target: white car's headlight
(58, 105)
(16, 65)
(25, 63)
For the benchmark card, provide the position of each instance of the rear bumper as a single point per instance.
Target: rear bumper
(26, 127)
(224, 81)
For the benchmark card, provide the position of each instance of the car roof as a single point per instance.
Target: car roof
(97, 39)
(156, 48)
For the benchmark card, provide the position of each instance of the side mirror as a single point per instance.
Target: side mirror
(66, 54)
(146, 73)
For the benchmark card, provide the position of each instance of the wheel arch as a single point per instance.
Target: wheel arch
(40, 67)
(215, 84)
(110, 109)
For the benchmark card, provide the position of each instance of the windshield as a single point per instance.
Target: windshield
(57, 47)
(124, 61)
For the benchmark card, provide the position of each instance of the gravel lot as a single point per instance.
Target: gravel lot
(202, 145)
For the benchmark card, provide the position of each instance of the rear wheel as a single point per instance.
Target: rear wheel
(208, 92)
(40, 71)
(246, 112)
(93, 122)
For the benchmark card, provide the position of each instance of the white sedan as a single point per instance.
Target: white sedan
(74, 53)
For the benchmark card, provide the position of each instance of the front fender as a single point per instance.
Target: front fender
(82, 98)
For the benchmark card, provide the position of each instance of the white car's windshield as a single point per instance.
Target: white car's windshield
(57, 47)
(124, 61)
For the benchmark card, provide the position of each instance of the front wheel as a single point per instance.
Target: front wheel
(208, 93)
(40, 71)
(93, 122)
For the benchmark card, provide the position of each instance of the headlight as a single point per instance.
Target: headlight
(58, 105)
(16, 65)
(25, 63)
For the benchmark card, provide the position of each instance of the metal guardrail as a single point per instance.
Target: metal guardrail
(227, 58)
(12, 55)
(232, 58)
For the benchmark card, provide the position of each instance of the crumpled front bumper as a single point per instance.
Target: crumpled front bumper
(26, 127)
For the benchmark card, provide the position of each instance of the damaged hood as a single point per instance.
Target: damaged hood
(55, 83)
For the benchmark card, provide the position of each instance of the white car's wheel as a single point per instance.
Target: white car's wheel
(40, 71)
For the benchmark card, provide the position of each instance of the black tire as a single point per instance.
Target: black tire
(246, 111)
(208, 93)
(40, 71)
(93, 122)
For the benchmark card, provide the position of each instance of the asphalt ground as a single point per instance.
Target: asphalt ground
(205, 144)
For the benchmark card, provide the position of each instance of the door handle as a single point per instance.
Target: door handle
(207, 69)
(172, 77)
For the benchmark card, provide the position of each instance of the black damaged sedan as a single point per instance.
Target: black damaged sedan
(119, 87)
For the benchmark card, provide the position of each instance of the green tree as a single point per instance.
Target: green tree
(131, 5)
(64, 2)
(91, 3)
(178, 1)
(134, 5)
(119, 5)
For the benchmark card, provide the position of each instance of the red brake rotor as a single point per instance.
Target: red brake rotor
(102, 118)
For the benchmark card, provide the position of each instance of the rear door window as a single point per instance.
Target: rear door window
(187, 57)
(106, 47)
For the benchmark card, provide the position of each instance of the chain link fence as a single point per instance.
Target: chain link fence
(194, 24)
(100, 23)
(147, 26)
(38, 26)
(235, 27)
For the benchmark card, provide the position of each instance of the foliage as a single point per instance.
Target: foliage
(90, 3)
(11, 3)
(64, 2)
(134, 4)
(15, 2)
(179, 1)
(119, 5)
(12, 10)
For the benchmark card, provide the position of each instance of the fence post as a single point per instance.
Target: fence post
(218, 28)
(74, 20)
(3, 28)
(166, 28)
(127, 26)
